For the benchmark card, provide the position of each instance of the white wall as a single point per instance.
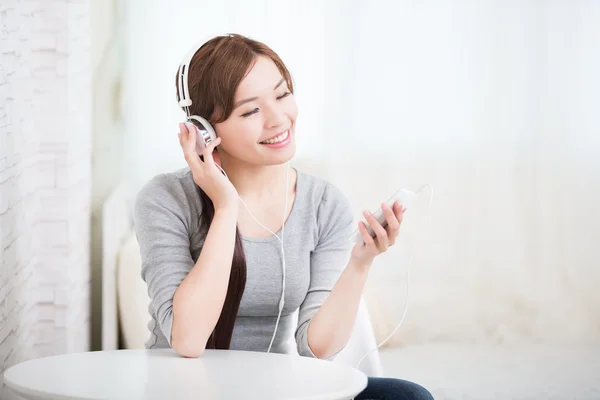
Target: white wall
(494, 103)
(45, 163)
(107, 143)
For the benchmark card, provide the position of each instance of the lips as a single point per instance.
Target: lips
(282, 141)
(277, 138)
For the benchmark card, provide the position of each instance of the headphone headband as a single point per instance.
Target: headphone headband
(184, 91)
(184, 98)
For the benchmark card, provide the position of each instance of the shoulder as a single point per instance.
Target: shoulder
(173, 193)
(321, 191)
(331, 206)
(174, 183)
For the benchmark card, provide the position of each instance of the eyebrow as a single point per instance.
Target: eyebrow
(239, 103)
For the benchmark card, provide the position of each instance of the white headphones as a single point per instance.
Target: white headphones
(206, 134)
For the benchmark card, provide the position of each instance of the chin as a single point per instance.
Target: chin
(281, 158)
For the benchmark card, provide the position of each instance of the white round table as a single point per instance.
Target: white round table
(163, 375)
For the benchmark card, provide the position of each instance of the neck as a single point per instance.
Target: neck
(256, 181)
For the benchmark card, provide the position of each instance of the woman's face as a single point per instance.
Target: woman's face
(264, 110)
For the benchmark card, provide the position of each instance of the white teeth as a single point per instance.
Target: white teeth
(278, 139)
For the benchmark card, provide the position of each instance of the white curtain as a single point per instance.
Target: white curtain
(494, 103)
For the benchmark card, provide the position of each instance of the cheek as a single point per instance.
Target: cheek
(239, 133)
(249, 130)
(292, 110)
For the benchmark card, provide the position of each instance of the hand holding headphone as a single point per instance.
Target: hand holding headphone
(199, 138)
(207, 172)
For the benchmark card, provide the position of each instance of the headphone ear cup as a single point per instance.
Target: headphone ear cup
(205, 133)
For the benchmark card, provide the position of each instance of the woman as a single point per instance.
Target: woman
(214, 274)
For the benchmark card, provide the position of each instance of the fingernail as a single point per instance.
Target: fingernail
(366, 213)
(404, 209)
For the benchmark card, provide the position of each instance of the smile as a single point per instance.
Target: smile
(279, 138)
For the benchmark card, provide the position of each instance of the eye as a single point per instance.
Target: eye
(249, 113)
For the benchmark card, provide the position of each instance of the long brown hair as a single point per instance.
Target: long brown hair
(215, 72)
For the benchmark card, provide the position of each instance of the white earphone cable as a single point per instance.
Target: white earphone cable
(185, 102)
(407, 280)
(282, 300)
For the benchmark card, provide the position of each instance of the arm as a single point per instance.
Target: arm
(327, 317)
(329, 310)
(324, 330)
(199, 299)
(186, 296)
(331, 327)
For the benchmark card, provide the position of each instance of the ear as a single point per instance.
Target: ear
(217, 156)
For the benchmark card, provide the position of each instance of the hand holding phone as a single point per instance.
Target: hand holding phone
(404, 196)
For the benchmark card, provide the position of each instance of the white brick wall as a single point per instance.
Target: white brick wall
(45, 173)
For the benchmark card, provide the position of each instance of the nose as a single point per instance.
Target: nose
(274, 117)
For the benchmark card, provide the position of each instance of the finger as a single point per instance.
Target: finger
(382, 239)
(207, 153)
(392, 221)
(192, 133)
(392, 226)
(182, 135)
(365, 233)
(399, 212)
(193, 161)
(188, 137)
(374, 224)
(398, 208)
(183, 129)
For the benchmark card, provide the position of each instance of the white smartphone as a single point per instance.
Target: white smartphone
(404, 196)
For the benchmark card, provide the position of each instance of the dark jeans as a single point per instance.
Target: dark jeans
(393, 389)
